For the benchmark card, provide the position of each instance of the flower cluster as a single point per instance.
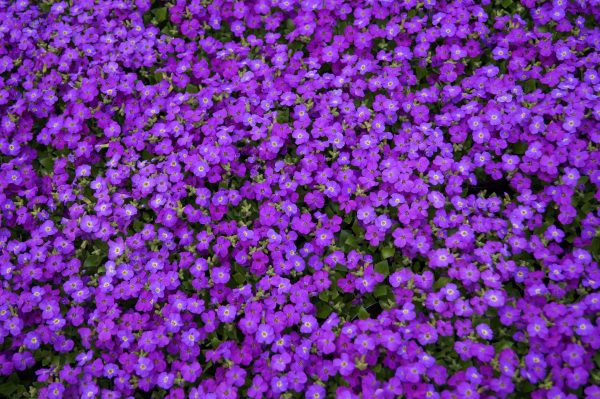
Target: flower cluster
(300, 199)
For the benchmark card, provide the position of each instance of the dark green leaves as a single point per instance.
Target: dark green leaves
(382, 268)
(92, 261)
(387, 252)
(160, 14)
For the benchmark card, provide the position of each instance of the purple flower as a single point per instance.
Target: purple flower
(265, 334)
(165, 380)
(485, 332)
(324, 237)
(383, 223)
(227, 313)
(116, 248)
(344, 364)
(32, 341)
(441, 258)
(55, 390)
(308, 324)
(536, 327)
(165, 170)
(494, 298)
(144, 366)
(554, 234)
(315, 392)
(364, 343)
(366, 214)
(190, 337)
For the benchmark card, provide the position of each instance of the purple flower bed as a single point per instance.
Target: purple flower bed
(300, 199)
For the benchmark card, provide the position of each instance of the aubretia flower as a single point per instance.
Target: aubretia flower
(315, 392)
(451, 292)
(144, 366)
(191, 337)
(220, 275)
(344, 364)
(264, 334)
(323, 237)
(227, 313)
(485, 332)
(537, 327)
(563, 53)
(572, 355)
(494, 298)
(222, 189)
(55, 390)
(365, 283)
(407, 312)
(383, 223)
(364, 343)
(553, 233)
(308, 324)
(366, 214)
(116, 248)
(200, 168)
(500, 53)
(89, 224)
(279, 384)
(440, 258)
(32, 341)
(47, 229)
(165, 380)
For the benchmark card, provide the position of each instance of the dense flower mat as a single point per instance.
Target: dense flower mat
(299, 199)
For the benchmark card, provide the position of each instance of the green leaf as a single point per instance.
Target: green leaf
(595, 250)
(7, 389)
(519, 148)
(529, 85)
(283, 116)
(383, 268)
(92, 261)
(323, 310)
(138, 225)
(333, 293)
(503, 344)
(420, 72)
(441, 282)
(167, 29)
(583, 180)
(363, 314)
(190, 88)
(387, 252)
(381, 291)
(368, 301)
(526, 387)
(344, 234)
(239, 278)
(289, 25)
(348, 239)
(357, 229)
(351, 241)
(160, 14)
(324, 296)
(47, 164)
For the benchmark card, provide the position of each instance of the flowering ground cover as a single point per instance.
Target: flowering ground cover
(299, 199)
